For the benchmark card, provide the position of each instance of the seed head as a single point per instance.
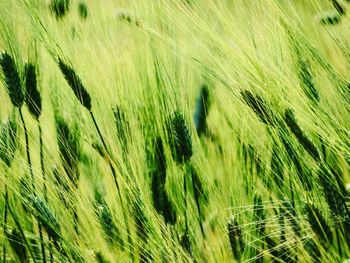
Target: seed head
(288, 210)
(318, 223)
(329, 18)
(17, 244)
(123, 127)
(302, 171)
(83, 10)
(33, 99)
(126, 16)
(260, 107)
(105, 218)
(186, 243)
(48, 220)
(333, 196)
(68, 139)
(157, 168)
(313, 250)
(141, 220)
(201, 111)
(12, 79)
(179, 138)
(8, 140)
(62, 185)
(236, 238)
(307, 80)
(99, 148)
(75, 83)
(59, 8)
(291, 121)
(100, 258)
(339, 7)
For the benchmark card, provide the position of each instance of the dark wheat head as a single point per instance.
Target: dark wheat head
(59, 8)
(110, 230)
(333, 196)
(157, 172)
(18, 245)
(330, 19)
(201, 110)
(46, 217)
(123, 127)
(68, 139)
(8, 140)
(75, 83)
(318, 223)
(309, 146)
(339, 7)
(33, 99)
(180, 138)
(260, 107)
(235, 238)
(307, 81)
(12, 79)
(83, 10)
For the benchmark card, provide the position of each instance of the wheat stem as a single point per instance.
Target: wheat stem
(27, 149)
(196, 198)
(105, 147)
(33, 181)
(339, 244)
(42, 160)
(5, 223)
(115, 181)
(186, 217)
(44, 177)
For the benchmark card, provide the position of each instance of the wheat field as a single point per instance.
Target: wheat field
(175, 131)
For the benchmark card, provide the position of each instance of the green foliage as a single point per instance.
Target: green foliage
(218, 132)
